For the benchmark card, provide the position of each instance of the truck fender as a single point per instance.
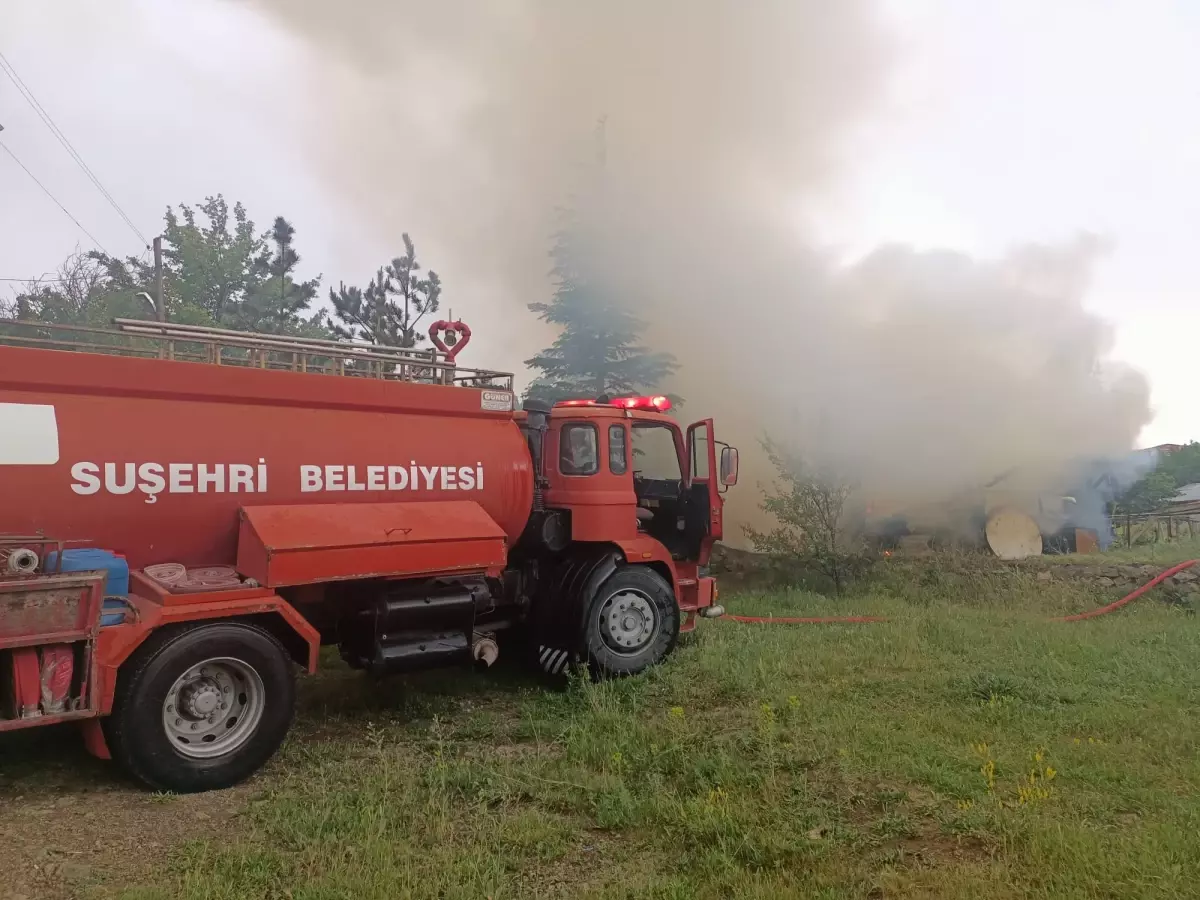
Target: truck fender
(560, 607)
(646, 551)
(595, 576)
(118, 642)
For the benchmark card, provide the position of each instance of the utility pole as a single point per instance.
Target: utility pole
(160, 303)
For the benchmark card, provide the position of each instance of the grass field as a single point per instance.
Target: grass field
(965, 748)
(1165, 553)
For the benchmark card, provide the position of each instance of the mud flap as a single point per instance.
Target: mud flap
(559, 610)
(553, 660)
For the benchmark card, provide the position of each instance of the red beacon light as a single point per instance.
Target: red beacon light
(653, 404)
(650, 404)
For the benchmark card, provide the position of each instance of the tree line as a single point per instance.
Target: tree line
(1171, 471)
(219, 269)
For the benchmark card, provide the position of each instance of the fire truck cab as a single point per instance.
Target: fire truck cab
(621, 473)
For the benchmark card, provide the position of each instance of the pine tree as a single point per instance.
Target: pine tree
(277, 304)
(415, 296)
(373, 315)
(597, 351)
(365, 315)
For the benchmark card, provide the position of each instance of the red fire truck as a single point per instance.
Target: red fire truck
(189, 513)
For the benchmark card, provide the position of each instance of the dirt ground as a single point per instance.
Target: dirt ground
(72, 826)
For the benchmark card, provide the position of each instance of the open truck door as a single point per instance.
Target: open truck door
(704, 517)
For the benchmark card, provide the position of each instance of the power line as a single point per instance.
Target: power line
(55, 278)
(46, 191)
(9, 70)
(37, 107)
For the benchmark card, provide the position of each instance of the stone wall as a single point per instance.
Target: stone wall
(1116, 579)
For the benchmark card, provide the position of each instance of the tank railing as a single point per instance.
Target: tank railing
(224, 347)
(287, 341)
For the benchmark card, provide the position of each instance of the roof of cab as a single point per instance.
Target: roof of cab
(601, 412)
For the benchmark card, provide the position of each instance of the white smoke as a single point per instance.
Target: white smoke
(921, 374)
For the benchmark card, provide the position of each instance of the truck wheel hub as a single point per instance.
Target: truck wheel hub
(200, 700)
(628, 621)
(213, 708)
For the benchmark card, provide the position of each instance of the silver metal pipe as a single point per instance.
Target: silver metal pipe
(181, 331)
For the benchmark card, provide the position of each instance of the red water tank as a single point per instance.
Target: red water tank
(153, 458)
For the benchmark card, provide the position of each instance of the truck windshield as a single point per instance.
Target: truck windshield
(655, 457)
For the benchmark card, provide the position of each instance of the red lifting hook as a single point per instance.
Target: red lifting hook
(457, 333)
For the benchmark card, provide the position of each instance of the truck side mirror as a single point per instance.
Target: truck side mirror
(729, 466)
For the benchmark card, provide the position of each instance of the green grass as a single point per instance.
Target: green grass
(760, 762)
(1165, 553)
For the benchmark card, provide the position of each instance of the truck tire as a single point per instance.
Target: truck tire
(202, 707)
(631, 623)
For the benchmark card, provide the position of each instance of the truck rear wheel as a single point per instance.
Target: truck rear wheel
(202, 708)
(632, 622)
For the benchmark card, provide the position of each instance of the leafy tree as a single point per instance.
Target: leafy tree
(391, 307)
(597, 350)
(81, 292)
(216, 271)
(1154, 489)
(209, 265)
(816, 530)
(1149, 493)
(1183, 465)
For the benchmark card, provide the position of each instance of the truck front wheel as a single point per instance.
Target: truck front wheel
(201, 708)
(632, 622)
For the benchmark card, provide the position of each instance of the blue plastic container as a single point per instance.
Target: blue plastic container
(90, 559)
(114, 611)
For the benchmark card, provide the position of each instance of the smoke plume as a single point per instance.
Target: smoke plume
(920, 374)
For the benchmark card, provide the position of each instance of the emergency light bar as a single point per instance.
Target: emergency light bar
(655, 404)
(652, 404)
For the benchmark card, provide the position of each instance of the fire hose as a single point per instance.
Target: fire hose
(861, 620)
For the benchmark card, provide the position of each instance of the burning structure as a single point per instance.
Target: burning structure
(1024, 511)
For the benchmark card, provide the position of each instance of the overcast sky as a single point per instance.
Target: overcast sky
(1010, 120)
